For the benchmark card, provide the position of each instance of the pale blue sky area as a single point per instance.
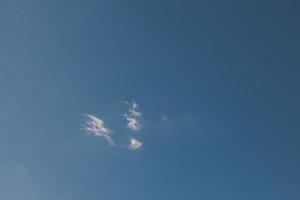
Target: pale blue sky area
(217, 84)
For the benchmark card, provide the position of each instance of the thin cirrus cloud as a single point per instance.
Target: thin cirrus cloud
(134, 144)
(164, 117)
(133, 117)
(95, 126)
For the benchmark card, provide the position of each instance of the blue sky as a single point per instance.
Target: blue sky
(216, 83)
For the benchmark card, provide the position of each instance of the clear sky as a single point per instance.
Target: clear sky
(216, 83)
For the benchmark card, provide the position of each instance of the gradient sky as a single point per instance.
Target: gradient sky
(217, 83)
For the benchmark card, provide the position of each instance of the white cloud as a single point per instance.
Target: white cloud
(134, 144)
(133, 117)
(95, 126)
(134, 105)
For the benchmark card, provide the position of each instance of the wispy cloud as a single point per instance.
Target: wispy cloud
(133, 117)
(164, 117)
(95, 126)
(134, 144)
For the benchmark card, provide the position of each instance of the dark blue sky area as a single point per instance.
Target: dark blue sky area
(225, 74)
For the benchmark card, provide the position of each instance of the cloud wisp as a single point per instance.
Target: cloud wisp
(164, 117)
(95, 126)
(133, 117)
(134, 144)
